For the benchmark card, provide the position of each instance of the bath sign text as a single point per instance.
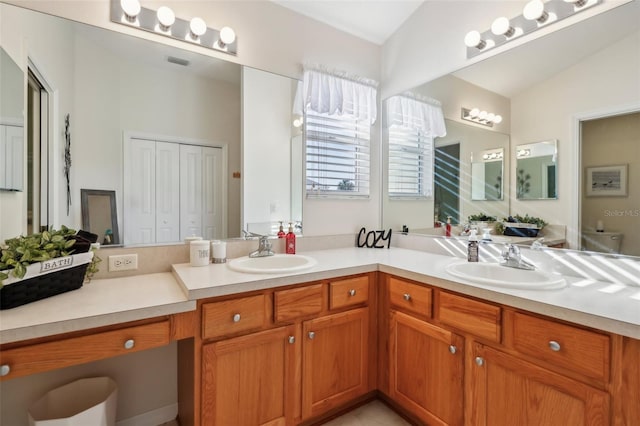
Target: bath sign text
(373, 239)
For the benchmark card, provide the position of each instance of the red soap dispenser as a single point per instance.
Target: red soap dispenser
(290, 240)
(447, 229)
(281, 233)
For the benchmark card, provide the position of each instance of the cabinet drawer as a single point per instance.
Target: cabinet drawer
(478, 318)
(233, 316)
(40, 357)
(409, 297)
(582, 351)
(298, 302)
(349, 292)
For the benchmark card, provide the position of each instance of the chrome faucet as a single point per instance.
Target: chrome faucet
(537, 244)
(513, 258)
(264, 247)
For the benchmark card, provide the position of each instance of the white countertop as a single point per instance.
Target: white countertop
(602, 305)
(96, 304)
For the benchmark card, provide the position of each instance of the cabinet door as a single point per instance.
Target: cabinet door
(335, 360)
(167, 192)
(140, 192)
(190, 191)
(427, 366)
(212, 188)
(11, 157)
(248, 380)
(508, 391)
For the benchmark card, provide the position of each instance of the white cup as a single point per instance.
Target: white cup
(219, 251)
(199, 253)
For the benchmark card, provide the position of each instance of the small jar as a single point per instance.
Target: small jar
(219, 251)
(199, 253)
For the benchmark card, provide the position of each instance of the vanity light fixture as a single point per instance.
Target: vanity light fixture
(521, 153)
(493, 156)
(535, 14)
(481, 117)
(164, 22)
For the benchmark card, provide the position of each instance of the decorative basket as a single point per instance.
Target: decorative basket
(513, 229)
(45, 279)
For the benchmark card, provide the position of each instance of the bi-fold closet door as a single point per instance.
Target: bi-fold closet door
(171, 191)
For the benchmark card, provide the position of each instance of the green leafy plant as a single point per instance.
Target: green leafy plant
(20, 252)
(346, 185)
(539, 223)
(481, 217)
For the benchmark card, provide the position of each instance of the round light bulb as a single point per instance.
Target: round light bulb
(482, 115)
(198, 27)
(131, 8)
(227, 35)
(534, 11)
(497, 119)
(473, 39)
(297, 123)
(166, 17)
(474, 113)
(502, 26)
(491, 116)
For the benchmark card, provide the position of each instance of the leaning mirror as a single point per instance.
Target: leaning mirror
(486, 175)
(99, 215)
(537, 171)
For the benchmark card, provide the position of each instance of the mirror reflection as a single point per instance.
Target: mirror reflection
(11, 124)
(536, 171)
(486, 175)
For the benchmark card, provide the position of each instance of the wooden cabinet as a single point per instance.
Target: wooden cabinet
(426, 370)
(335, 360)
(249, 380)
(506, 390)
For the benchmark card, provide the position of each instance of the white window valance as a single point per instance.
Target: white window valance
(337, 93)
(411, 111)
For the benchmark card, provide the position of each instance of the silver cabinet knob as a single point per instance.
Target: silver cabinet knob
(292, 340)
(5, 370)
(479, 361)
(554, 346)
(352, 292)
(453, 349)
(129, 344)
(236, 318)
(406, 296)
(312, 335)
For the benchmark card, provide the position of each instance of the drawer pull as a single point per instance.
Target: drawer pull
(453, 349)
(554, 346)
(292, 340)
(312, 335)
(406, 296)
(5, 370)
(129, 344)
(479, 361)
(352, 292)
(236, 318)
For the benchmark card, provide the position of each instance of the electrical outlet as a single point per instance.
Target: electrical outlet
(123, 262)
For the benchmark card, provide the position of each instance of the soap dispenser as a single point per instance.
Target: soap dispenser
(473, 248)
(447, 227)
(281, 233)
(290, 240)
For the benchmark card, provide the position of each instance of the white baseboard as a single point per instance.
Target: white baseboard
(152, 418)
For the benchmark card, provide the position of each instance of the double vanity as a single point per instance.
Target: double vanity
(298, 342)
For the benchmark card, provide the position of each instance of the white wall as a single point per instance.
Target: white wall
(549, 110)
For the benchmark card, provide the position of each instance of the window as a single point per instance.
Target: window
(410, 163)
(337, 155)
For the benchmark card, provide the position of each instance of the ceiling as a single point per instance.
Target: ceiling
(371, 20)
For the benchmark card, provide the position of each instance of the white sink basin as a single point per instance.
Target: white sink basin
(276, 264)
(502, 276)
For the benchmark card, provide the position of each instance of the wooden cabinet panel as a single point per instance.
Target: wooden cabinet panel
(427, 366)
(576, 349)
(348, 292)
(478, 318)
(409, 297)
(297, 302)
(509, 391)
(335, 355)
(249, 380)
(234, 316)
(62, 353)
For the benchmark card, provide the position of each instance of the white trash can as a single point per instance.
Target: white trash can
(84, 402)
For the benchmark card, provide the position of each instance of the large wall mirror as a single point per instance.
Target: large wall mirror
(543, 89)
(158, 125)
(11, 124)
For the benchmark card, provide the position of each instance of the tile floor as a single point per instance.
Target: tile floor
(374, 413)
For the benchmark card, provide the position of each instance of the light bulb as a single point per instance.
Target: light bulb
(166, 17)
(474, 113)
(491, 116)
(534, 11)
(227, 36)
(198, 27)
(131, 9)
(497, 119)
(502, 26)
(482, 115)
(473, 39)
(297, 122)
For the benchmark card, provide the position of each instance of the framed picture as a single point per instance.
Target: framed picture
(607, 181)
